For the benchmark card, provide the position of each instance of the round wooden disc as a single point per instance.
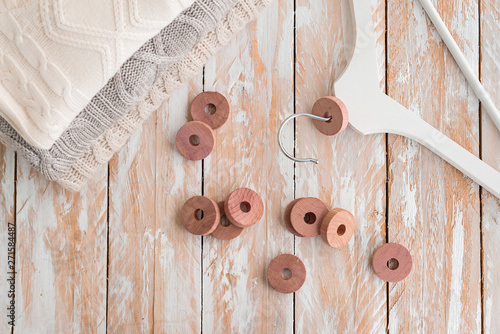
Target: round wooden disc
(337, 228)
(244, 207)
(211, 108)
(306, 216)
(228, 232)
(392, 262)
(330, 106)
(286, 218)
(195, 140)
(200, 215)
(282, 266)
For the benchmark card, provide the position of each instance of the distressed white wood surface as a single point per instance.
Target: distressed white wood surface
(132, 190)
(255, 72)
(490, 72)
(60, 255)
(433, 208)
(150, 275)
(341, 293)
(7, 214)
(177, 283)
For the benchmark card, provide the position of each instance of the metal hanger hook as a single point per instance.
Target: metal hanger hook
(288, 119)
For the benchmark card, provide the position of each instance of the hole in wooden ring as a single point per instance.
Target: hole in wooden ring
(310, 218)
(326, 115)
(198, 214)
(393, 264)
(341, 230)
(286, 274)
(194, 140)
(245, 207)
(210, 108)
(224, 221)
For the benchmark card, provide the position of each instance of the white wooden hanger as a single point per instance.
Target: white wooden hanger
(372, 111)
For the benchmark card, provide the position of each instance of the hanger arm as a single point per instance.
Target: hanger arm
(462, 61)
(404, 122)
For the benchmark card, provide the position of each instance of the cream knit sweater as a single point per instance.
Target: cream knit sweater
(56, 55)
(125, 90)
(101, 128)
(115, 137)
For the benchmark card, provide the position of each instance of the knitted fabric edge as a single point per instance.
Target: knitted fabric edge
(115, 137)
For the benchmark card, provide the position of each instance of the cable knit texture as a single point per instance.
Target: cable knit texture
(124, 91)
(56, 55)
(116, 136)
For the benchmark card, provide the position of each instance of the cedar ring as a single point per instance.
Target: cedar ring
(294, 265)
(312, 207)
(330, 106)
(189, 147)
(338, 228)
(206, 99)
(209, 212)
(286, 218)
(240, 199)
(392, 262)
(228, 232)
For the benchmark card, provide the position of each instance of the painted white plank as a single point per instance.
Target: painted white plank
(341, 293)
(132, 219)
(177, 296)
(7, 225)
(433, 208)
(490, 72)
(61, 255)
(255, 72)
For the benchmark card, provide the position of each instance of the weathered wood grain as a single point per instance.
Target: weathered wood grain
(341, 294)
(61, 255)
(255, 72)
(7, 215)
(490, 149)
(177, 283)
(132, 221)
(433, 208)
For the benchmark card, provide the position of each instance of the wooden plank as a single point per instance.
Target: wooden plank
(255, 72)
(177, 294)
(60, 260)
(490, 149)
(341, 293)
(132, 220)
(149, 252)
(7, 219)
(433, 208)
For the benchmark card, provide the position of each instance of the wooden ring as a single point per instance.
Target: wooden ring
(244, 207)
(330, 106)
(392, 262)
(211, 108)
(195, 140)
(225, 232)
(337, 228)
(286, 218)
(279, 270)
(306, 216)
(200, 215)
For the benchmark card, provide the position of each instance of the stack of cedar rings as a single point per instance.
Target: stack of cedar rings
(224, 220)
(196, 139)
(310, 217)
